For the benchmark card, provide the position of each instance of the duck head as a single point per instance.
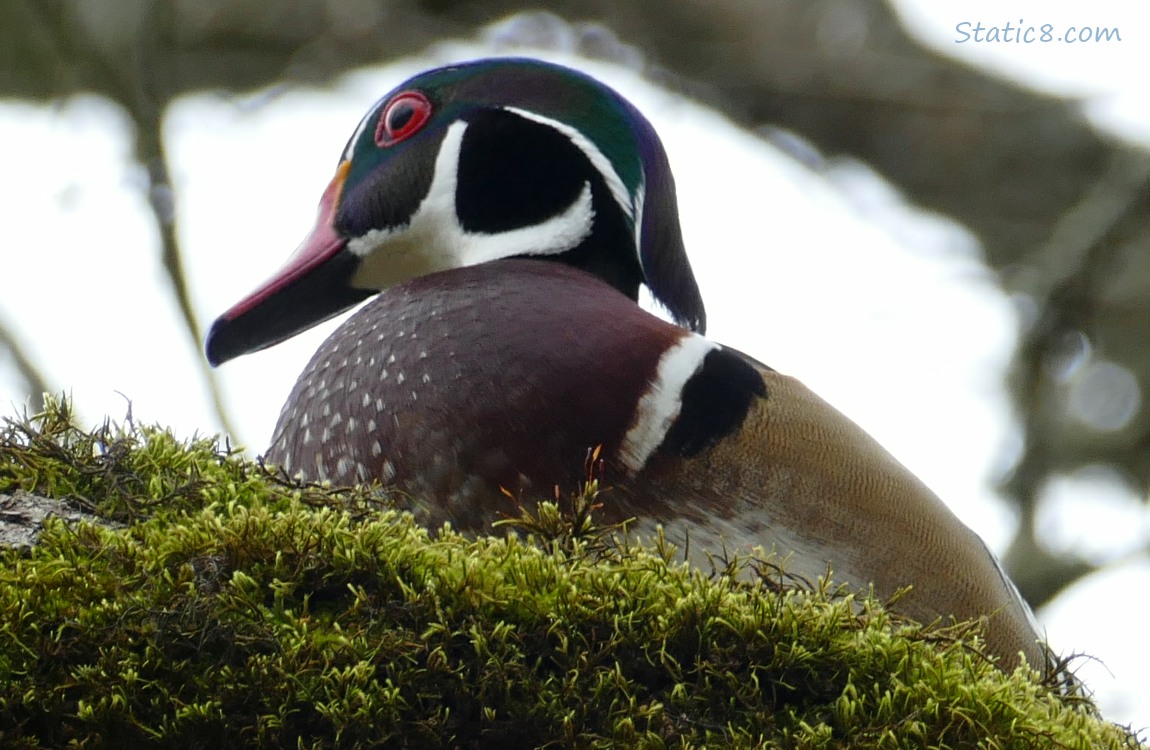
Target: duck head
(476, 162)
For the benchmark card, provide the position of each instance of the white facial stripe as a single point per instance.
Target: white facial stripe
(551, 237)
(661, 404)
(359, 131)
(434, 240)
(640, 196)
(601, 163)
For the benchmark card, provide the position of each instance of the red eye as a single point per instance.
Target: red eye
(403, 116)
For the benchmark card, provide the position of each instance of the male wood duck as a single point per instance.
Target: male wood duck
(505, 213)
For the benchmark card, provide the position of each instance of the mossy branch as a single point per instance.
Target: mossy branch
(238, 609)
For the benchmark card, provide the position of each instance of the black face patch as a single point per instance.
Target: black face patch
(715, 402)
(515, 173)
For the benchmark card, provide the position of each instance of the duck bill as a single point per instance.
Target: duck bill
(313, 286)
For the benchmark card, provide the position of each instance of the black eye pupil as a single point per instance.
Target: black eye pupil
(400, 116)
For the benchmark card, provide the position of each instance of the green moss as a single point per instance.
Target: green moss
(237, 609)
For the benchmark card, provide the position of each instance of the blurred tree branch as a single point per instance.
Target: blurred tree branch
(36, 385)
(1063, 213)
(1080, 259)
(141, 83)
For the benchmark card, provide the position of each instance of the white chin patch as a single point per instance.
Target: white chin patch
(434, 240)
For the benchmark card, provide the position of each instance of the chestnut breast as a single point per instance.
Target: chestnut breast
(460, 383)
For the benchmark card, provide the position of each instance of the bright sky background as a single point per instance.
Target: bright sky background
(829, 275)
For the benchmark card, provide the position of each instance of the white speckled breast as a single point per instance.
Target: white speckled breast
(458, 384)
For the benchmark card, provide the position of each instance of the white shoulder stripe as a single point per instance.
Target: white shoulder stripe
(663, 400)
